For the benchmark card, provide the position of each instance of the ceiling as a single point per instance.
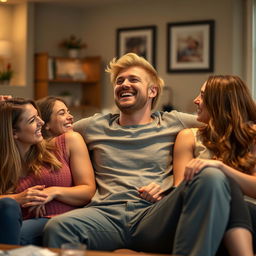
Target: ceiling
(78, 3)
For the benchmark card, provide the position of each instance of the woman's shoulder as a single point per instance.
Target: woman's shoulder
(74, 141)
(72, 136)
(186, 137)
(68, 138)
(188, 132)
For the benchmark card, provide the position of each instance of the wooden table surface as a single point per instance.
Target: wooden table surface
(121, 252)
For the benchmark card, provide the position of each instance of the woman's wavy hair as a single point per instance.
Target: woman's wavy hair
(133, 60)
(45, 106)
(12, 165)
(230, 134)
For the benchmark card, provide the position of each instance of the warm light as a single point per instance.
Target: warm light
(3, 1)
(5, 49)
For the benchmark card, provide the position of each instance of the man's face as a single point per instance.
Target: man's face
(132, 89)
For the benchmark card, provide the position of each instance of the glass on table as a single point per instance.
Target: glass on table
(73, 249)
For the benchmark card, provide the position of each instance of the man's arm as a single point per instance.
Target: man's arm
(81, 125)
(188, 120)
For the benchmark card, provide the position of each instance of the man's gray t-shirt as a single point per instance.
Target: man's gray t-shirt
(126, 158)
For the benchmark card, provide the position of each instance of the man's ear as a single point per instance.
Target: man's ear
(152, 91)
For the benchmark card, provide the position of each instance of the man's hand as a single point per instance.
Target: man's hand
(151, 192)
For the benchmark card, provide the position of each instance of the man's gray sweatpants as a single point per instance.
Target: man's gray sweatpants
(189, 221)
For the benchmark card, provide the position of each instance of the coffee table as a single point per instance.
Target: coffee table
(95, 253)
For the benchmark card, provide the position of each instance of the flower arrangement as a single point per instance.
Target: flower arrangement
(73, 42)
(6, 74)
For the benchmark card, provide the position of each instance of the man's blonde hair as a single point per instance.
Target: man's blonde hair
(131, 60)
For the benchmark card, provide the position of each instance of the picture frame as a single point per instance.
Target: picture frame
(140, 40)
(190, 46)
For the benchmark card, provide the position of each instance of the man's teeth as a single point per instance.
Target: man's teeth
(68, 125)
(126, 94)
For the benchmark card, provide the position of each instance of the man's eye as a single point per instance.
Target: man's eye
(133, 80)
(119, 81)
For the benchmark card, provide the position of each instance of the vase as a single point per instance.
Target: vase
(73, 53)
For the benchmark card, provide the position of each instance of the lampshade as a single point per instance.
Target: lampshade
(5, 49)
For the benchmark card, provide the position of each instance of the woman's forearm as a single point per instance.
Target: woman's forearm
(246, 182)
(77, 196)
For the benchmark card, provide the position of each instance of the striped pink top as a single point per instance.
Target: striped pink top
(61, 178)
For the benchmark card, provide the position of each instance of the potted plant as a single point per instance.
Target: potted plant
(73, 44)
(6, 74)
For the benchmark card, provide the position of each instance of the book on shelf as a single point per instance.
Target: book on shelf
(51, 68)
(69, 69)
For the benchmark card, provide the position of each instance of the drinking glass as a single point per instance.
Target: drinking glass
(73, 249)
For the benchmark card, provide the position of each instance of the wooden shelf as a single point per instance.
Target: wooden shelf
(68, 80)
(53, 70)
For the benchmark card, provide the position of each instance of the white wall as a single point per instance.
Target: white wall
(17, 21)
(53, 23)
(19, 46)
(6, 13)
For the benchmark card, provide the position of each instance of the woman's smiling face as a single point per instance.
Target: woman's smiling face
(202, 112)
(29, 128)
(61, 120)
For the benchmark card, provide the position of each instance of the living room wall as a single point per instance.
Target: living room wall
(17, 28)
(100, 25)
(97, 26)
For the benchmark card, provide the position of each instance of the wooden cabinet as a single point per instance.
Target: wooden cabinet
(54, 71)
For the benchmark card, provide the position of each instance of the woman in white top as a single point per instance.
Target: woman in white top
(226, 141)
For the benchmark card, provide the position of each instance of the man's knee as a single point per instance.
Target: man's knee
(211, 183)
(52, 226)
(53, 232)
(212, 177)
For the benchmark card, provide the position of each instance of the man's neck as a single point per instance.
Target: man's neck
(137, 118)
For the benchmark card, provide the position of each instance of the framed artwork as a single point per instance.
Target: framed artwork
(140, 40)
(190, 46)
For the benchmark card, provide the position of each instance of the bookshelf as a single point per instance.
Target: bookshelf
(59, 71)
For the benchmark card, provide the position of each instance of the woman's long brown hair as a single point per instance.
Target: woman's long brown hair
(230, 134)
(12, 166)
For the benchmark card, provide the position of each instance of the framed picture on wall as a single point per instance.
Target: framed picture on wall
(140, 40)
(190, 46)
